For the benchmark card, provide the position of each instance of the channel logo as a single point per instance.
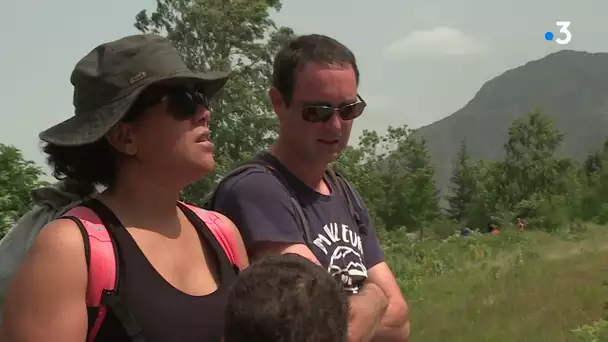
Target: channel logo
(564, 31)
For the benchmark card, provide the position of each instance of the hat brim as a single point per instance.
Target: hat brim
(90, 127)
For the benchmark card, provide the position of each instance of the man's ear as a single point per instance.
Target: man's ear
(278, 103)
(122, 137)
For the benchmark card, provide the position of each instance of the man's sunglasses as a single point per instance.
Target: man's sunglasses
(182, 102)
(322, 113)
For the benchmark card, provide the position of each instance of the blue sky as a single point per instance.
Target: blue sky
(420, 61)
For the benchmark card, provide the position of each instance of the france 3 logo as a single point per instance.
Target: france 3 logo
(564, 33)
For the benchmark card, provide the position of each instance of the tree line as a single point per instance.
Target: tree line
(392, 171)
(549, 192)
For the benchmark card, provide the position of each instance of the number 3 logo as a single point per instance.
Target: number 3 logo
(564, 29)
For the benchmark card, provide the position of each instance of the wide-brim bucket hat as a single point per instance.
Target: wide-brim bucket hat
(110, 79)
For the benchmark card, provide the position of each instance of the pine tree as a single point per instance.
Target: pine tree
(593, 164)
(462, 187)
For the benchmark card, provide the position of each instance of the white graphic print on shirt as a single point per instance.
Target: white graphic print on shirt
(344, 250)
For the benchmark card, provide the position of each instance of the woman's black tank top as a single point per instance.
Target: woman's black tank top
(163, 312)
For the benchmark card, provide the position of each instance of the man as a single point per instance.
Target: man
(315, 98)
(277, 299)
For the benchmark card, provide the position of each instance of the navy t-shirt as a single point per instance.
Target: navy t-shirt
(259, 205)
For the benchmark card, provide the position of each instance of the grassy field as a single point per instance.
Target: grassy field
(515, 287)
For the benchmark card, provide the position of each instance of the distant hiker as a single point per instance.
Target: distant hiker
(495, 230)
(286, 298)
(520, 225)
(152, 268)
(288, 200)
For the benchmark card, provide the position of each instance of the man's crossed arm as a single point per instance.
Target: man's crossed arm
(378, 313)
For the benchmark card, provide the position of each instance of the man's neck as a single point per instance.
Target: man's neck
(310, 174)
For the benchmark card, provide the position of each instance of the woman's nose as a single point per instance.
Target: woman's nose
(202, 115)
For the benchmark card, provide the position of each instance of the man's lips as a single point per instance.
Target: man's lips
(328, 141)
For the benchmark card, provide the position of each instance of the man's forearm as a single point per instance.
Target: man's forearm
(392, 334)
(367, 308)
(395, 325)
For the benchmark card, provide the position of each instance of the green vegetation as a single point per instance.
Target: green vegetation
(533, 286)
(546, 284)
(17, 177)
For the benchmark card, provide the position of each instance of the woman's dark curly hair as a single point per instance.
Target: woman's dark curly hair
(91, 164)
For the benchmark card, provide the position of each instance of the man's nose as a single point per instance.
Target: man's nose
(334, 122)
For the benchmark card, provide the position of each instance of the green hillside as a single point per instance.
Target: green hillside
(569, 86)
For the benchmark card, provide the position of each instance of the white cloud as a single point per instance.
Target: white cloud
(437, 41)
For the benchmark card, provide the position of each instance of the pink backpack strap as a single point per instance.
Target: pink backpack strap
(220, 231)
(101, 263)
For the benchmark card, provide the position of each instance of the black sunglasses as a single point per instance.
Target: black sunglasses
(182, 102)
(322, 113)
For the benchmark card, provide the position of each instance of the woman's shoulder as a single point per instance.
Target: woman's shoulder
(60, 234)
(52, 274)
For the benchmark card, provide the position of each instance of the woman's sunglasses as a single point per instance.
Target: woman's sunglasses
(182, 102)
(322, 113)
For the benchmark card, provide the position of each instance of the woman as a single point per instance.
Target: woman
(141, 131)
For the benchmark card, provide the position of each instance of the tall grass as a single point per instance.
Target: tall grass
(533, 286)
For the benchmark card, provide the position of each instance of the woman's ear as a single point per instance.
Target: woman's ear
(122, 137)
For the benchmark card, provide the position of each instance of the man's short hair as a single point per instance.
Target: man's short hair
(286, 298)
(308, 48)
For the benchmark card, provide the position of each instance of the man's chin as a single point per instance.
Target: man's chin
(334, 156)
(330, 158)
(318, 155)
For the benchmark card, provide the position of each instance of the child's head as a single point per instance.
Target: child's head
(286, 298)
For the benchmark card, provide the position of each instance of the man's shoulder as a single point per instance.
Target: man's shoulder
(255, 179)
(349, 188)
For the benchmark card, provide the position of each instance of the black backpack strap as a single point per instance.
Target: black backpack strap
(352, 198)
(111, 299)
(303, 221)
(260, 161)
(304, 226)
(92, 312)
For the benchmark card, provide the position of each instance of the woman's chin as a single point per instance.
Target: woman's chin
(206, 166)
(200, 168)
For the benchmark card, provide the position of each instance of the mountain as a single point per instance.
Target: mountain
(571, 87)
